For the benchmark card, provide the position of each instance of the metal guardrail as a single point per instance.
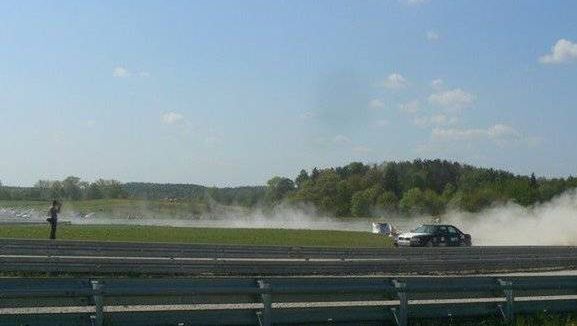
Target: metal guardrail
(183, 259)
(144, 266)
(278, 301)
(166, 250)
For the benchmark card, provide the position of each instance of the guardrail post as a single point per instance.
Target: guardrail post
(402, 314)
(508, 313)
(265, 316)
(98, 317)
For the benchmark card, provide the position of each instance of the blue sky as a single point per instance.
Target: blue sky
(234, 92)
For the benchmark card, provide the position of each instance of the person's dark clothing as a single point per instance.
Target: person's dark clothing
(52, 230)
(53, 221)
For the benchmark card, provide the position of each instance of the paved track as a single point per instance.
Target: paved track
(179, 259)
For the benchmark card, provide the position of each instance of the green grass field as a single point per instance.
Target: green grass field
(162, 209)
(275, 237)
(119, 207)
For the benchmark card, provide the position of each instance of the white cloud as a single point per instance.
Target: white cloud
(499, 133)
(437, 84)
(120, 72)
(172, 118)
(443, 119)
(411, 107)
(395, 81)
(432, 36)
(461, 143)
(123, 72)
(454, 99)
(435, 120)
(376, 104)
(562, 52)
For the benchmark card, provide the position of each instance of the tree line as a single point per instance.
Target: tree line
(418, 187)
(73, 188)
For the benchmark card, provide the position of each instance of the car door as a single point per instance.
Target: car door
(442, 236)
(453, 236)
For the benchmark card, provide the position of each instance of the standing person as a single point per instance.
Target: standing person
(53, 219)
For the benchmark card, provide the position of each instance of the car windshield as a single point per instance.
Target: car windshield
(425, 229)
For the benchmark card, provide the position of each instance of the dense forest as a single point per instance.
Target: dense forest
(418, 187)
(357, 189)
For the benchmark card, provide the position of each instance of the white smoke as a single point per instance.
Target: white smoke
(286, 217)
(281, 217)
(550, 223)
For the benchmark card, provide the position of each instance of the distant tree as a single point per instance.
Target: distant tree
(302, 178)
(550, 189)
(391, 180)
(519, 191)
(57, 190)
(44, 189)
(360, 204)
(412, 201)
(387, 201)
(433, 202)
(94, 191)
(278, 188)
(111, 189)
(478, 199)
(533, 184)
(416, 201)
(357, 168)
(326, 191)
(357, 182)
(315, 174)
(448, 192)
(71, 188)
(343, 199)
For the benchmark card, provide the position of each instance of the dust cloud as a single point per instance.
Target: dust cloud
(281, 217)
(550, 223)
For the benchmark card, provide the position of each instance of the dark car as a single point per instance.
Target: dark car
(432, 235)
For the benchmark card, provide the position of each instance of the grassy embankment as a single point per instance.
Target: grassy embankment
(160, 209)
(276, 237)
(118, 207)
